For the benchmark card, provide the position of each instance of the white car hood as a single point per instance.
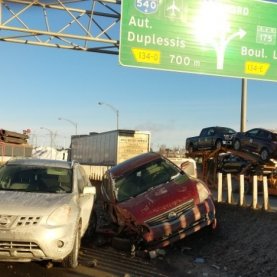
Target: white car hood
(23, 203)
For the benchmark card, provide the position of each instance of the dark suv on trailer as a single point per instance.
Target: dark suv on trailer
(258, 140)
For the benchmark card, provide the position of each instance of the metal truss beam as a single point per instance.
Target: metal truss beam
(87, 25)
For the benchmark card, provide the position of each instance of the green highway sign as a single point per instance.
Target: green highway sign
(235, 38)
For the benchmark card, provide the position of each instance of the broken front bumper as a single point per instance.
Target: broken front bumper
(189, 222)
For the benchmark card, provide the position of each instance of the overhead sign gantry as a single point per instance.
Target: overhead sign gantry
(235, 38)
(86, 25)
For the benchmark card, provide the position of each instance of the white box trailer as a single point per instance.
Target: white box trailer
(99, 151)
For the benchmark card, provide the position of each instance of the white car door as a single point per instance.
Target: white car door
(86, 197)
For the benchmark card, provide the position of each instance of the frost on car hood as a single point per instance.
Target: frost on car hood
(21, 203)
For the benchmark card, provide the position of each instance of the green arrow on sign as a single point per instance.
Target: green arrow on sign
(226, 38)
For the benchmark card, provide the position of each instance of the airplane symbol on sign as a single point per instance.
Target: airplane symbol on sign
(173, 9)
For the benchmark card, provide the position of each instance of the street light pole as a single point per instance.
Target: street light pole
(71, 122)
(115, 110)
(51, 139)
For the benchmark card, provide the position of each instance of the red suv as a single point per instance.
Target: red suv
(153, 202)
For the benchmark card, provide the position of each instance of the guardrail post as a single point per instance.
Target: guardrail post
(255, 192)
(229, 189)
(241, 191)
(219, 187)
(265, 190)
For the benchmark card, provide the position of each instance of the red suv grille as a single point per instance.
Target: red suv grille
(172, 214)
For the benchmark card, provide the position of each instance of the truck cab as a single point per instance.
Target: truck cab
(211, 138)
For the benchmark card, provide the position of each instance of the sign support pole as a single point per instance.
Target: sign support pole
(243, 105)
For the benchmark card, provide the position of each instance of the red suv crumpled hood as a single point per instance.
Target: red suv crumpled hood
(159, 200)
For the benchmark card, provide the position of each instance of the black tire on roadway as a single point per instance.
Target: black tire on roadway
(123, 244)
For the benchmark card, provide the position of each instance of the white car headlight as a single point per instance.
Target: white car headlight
(60, 216)
(203, 192)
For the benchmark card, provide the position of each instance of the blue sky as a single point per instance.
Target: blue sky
(39, 85)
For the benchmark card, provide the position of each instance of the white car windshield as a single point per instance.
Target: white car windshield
(35, 179)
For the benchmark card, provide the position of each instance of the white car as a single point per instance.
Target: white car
(45, 210)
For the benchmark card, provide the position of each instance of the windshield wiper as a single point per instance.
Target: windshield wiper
(174, 176)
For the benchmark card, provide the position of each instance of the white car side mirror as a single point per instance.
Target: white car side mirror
(189, 167)
(89, 190)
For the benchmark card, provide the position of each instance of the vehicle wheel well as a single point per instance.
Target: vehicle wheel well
(236, 144)
(264, 148)
(217, 141)
(191, 147)
(71, 261)
(92, 224)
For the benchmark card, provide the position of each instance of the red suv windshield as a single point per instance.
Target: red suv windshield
(144, 178)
